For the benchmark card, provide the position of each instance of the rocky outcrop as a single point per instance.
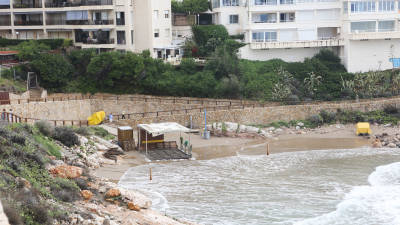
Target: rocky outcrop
(86, 194)
(135, 198)
(386, 140)
(3, 217)
(66, 171)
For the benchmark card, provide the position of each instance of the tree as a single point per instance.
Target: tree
(208, 37)
(53, 70)
(29, 50)
(191, 7)
(311, 83)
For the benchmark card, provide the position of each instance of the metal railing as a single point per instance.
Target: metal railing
(77, 4)
(28, 5)
(79, 22)
(28, 23)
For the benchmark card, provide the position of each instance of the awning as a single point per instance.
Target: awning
(156, 129)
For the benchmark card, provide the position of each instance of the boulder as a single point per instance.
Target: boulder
(86, 194)
(132, 206)
(137, 198)
(377, 144)
(300, 124)
(297, 127)
(391, 145)
(65, 171)
(114, 192)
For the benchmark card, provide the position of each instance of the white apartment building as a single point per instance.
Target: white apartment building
(125, 25)
(365, 34)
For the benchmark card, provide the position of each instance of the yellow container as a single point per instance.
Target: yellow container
(363, 128)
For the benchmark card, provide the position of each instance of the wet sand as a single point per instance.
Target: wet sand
(218, 147)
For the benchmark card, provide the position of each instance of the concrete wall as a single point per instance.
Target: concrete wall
(266, 115)
(371, 55)
(288, 55)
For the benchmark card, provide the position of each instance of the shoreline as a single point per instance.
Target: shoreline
(336, 136)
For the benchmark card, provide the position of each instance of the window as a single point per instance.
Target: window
(367, 26)
(264, 2)
(230, 2)
(120, 18)
(155, 14)
(258, 36)
(156, 33)
(385, 26)
(215, 4)
(264, 36)
(166, 14)
(286, 2)
(132, 37)
(167, 32)
(233, 19)
(287, 17)
(264, 18)
(385, 5)
(367, 6)
(345, 8)
(121, 37)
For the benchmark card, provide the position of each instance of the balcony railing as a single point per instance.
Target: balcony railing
(79, 22)
(120, 21)
(77, 4)
(5, 22)
(28, 23)
(28, 5)
(297, 44)
(94, 41)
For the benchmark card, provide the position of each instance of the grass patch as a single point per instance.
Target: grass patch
(49, 146)
(101, 132)
(19, 86)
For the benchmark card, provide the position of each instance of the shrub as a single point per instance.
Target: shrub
(64, 189)
(45, 127)
(82, 183)
(18, 139)
(327, 117)
(66, 136)
(84, 131)
(391, 109)
(315, 120)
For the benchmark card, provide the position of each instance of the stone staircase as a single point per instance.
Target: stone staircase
(35, 93)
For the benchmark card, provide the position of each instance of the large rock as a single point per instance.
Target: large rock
(86, 194)
(65, 171)
(136, 198)
(377, 144)
(132, 206)
(392, 145)
(114, 192)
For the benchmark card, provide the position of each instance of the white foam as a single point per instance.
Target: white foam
(377, 203)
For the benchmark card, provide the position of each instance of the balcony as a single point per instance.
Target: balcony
(93, 41)
(79, 22)
(5, 20)
(60, 4)
(28, 23)
(33, 4)
(297, 44)
(375, 35)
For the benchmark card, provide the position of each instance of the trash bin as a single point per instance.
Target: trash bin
(206, 134)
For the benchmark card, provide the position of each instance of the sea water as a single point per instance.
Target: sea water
(349, 186)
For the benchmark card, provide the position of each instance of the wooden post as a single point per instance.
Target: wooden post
(146, 143)
(151, 177)
(55, 122)
(267, 148)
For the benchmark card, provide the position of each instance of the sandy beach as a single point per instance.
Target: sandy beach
(336, 136)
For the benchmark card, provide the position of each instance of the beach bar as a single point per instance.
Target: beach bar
(151, 140)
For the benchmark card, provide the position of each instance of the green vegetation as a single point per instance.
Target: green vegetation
(101, 132)
(223, 75)
(16, 85)
(52, 43)
(190, 7)
(24, 152)
(389, 115)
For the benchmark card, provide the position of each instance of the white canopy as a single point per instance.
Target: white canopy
(162, 128)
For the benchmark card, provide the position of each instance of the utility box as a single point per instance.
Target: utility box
(125, 138)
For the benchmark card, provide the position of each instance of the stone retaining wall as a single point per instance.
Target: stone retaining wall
(266, 115)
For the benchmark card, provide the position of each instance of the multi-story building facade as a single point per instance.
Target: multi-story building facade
(126, 25)
(365, 34)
